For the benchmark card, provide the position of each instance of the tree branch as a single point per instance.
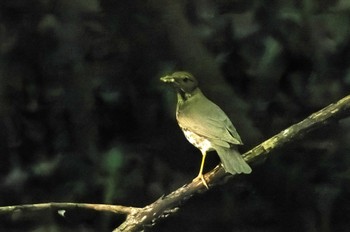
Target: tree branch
(117, 209)
(170, 203)
(139, 218)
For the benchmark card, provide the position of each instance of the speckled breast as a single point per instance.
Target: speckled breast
(200, 142)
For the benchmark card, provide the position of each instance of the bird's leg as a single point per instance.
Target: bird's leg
(200, 174)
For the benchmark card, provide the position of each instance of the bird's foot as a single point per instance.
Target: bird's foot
(201, 177)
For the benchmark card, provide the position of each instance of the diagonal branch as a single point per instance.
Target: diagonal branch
(139, 218)
(330, 113)
(170, 203)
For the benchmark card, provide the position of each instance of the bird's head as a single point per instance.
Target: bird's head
(184, 82)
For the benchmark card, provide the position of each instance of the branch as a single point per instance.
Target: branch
(325, 116)
(117, 209)
(170, 203)
(139, 218)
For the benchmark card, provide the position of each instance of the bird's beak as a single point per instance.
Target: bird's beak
(167, 79)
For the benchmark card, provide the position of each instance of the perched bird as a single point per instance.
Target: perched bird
(205, 125)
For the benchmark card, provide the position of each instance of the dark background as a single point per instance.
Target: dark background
(84, 117)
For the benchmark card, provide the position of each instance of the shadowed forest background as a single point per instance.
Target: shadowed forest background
(84, 117)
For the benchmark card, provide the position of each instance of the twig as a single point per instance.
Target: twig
(117, 209)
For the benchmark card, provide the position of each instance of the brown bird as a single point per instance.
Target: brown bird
(205, 125)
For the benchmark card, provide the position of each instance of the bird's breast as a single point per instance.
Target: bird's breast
(200, 142)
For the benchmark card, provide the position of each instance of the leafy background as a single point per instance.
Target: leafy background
(84, 118)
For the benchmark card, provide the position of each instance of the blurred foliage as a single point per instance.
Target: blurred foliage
(84, 118)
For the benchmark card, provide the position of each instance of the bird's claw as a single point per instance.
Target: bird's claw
(201, 177)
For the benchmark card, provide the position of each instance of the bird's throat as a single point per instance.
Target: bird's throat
(183, 96)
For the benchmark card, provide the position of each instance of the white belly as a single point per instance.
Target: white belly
(201, 143)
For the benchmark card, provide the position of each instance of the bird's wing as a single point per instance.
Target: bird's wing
(208, 120)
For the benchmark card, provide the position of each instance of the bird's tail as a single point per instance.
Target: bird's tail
(232, 160)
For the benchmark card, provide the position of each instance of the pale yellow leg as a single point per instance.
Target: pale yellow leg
(200, 174)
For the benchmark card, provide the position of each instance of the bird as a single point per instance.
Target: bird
(205, 125)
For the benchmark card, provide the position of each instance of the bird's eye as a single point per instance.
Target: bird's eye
(185, 79)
